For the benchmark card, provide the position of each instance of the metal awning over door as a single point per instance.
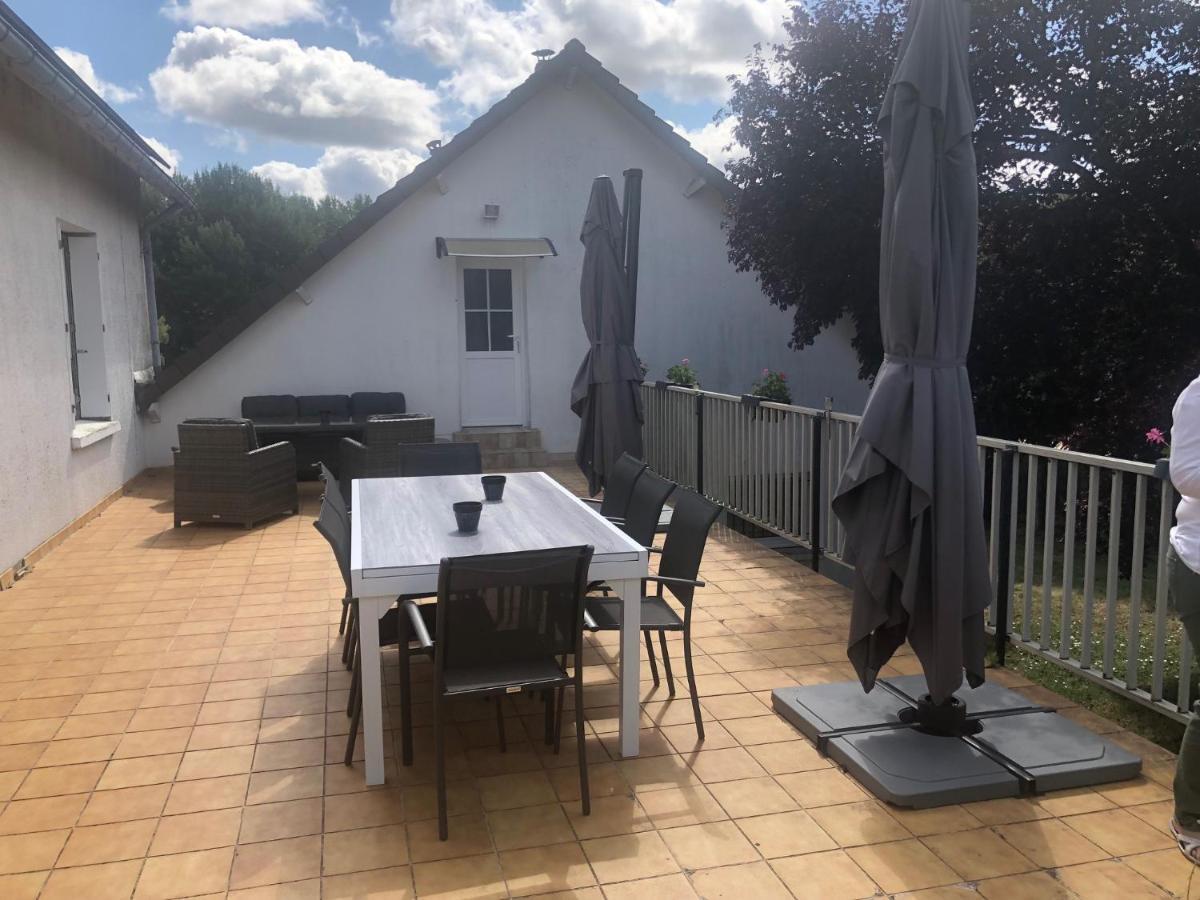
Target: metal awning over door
(495, 248)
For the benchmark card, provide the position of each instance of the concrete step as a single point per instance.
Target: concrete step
(517, 458)
(502, 438)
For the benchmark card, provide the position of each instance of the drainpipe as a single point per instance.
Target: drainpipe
(632, 226)
(148, 267)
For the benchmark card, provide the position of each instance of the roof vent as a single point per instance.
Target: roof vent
(433, 146)
(543, 55)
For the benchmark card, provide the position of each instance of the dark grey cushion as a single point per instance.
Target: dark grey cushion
(376, 403)
(267, 409)
(312, 407)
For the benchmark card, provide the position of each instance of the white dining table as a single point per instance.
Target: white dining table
(402, 528)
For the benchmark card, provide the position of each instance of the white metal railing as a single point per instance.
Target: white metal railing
(1081, 539)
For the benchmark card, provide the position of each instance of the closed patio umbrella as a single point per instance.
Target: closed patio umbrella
(606, 394)
(909, 495)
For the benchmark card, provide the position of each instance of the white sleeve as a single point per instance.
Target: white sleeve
(1185, 441)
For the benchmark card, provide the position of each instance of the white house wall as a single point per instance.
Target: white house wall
(51, 173)
(383, 313)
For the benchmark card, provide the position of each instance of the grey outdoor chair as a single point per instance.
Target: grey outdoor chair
(451, 458)
(334, 525)
(503, 623)
(619, 488)
(677, 571)
(222, 475)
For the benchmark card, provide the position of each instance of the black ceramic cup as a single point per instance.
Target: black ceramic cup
(493, 487)
(466, 514)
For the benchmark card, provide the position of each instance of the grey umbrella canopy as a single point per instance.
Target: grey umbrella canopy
(606, 394)
(909, 496)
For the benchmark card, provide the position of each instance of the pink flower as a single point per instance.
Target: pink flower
(686, 361)
(783, 376)
(1155, 436)
(766, 372)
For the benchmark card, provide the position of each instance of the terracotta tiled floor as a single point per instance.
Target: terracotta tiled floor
(172, 723)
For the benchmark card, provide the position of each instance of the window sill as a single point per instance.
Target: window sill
(84, 434)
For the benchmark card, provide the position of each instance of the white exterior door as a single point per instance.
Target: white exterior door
(492, 315)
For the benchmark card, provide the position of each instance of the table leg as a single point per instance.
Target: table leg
(370, 611)
(631, 663)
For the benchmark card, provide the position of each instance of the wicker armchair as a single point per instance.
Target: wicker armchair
(378, 456)
(221, 474)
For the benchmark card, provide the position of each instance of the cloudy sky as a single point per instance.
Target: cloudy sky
(340, 96)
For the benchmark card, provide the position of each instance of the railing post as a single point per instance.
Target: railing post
(700, 442)
(816, 508)
(1008, 459)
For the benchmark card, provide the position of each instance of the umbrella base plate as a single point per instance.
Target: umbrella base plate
(1019, 748)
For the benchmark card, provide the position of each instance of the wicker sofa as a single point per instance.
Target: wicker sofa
(315, 424)
(222, 475)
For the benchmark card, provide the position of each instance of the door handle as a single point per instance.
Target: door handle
(77, 352)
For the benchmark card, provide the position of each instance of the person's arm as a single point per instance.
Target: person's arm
(1185, 441)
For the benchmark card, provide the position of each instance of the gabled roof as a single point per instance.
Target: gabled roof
(33, 61)
(572, 57)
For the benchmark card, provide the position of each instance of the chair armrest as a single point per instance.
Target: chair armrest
(663, 579)
(357, 445)
(420, 632)
(616, 520)
(280, 450)
(590, 501)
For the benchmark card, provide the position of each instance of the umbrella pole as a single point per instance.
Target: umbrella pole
(946, 719)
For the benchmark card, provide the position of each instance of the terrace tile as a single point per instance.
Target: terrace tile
(172, 717)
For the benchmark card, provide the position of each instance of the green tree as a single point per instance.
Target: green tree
(242, 235)
(1088, 301)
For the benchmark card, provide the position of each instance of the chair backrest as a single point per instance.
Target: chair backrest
(650, 493)
(509, 608)
(384, 431)
(619, 486)
(217, 436)
(455, 458)
(333, 488)
(373, 403)
(334, 525)
(683, 548)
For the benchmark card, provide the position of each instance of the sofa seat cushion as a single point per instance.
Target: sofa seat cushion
(270, 409)
(376, 403)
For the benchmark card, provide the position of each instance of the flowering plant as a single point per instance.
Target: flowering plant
(1155, 438)
(683, 373)
(645, 368)
(772, 386)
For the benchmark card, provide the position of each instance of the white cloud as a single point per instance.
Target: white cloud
(82, 64)
(342, 172)
(170, 154)
(715, 140)
(683, 48)
(277, 88)
(245, 13)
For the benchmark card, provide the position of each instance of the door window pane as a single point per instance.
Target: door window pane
(500, 288)
(475, 288)
(477, 331)
(502, 329)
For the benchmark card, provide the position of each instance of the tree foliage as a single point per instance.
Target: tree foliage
(242, 234)
(1088, 140)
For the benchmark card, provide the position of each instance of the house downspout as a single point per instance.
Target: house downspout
(148, 267)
